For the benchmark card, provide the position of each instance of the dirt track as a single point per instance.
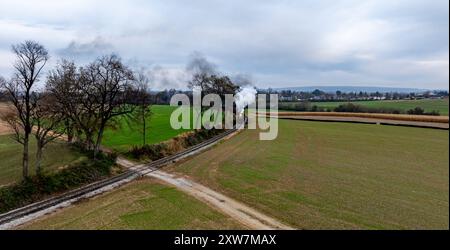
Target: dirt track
(237, 210)
(242, 213)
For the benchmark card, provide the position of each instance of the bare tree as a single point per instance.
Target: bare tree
(31, 58)
(221, 85)
(212, 84)
(62, 84)
(143, 103)
(94, 95)
(2, 83)
(110, 86)
(47, 118)
(3, 95)
(200, 80)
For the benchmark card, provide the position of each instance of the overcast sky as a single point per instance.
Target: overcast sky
(403, 43)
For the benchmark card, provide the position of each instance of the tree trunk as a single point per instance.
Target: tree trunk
(144, 128)
(39, 158)
(69, 137)
(89, 141)
(78, 135)
(70, 132)
(25, 158)
(98, 143)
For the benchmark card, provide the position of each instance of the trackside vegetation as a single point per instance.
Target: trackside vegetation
(172, 146)
(38, 187)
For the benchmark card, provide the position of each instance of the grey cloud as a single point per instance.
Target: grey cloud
(279, 43)
(77, 49)
(241, 79)
(199, 64)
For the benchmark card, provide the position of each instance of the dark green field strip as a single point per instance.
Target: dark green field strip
(440, 105)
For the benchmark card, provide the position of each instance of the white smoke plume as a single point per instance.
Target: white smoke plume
(246, 96)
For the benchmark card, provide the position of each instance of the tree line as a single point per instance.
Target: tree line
(77, 101)
(319, 95)
(80, 102)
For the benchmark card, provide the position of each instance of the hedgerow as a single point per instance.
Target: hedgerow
(163, 149)
(39, 187)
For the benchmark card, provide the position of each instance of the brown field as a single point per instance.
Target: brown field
(415, 118)
(4, 128)
(3, 106)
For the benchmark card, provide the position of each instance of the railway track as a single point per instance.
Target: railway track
(131, 173)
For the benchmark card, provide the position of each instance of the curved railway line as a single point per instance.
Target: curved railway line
(130, 174)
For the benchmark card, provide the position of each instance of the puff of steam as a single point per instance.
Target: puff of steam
(246, 96)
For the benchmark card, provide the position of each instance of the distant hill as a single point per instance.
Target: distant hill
(333, 89)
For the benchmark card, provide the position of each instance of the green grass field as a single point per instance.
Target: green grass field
(143, 204)
(335, 175)
(127, 135)
(56, 154)
(428, 105)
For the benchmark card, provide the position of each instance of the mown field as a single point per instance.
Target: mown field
(440, 105)
(56, 154)
(143, 204)
(129, 133)
(335, 175)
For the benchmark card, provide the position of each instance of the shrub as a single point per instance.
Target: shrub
(163, 149)
(316, 108)
(153, 152)
(349, 107)
(421, 111)
(416, 111)
(354, 108)
(299, 106)
(434, 112)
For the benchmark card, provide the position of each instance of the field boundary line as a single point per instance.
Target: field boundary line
(361, 120)
(395, 117)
